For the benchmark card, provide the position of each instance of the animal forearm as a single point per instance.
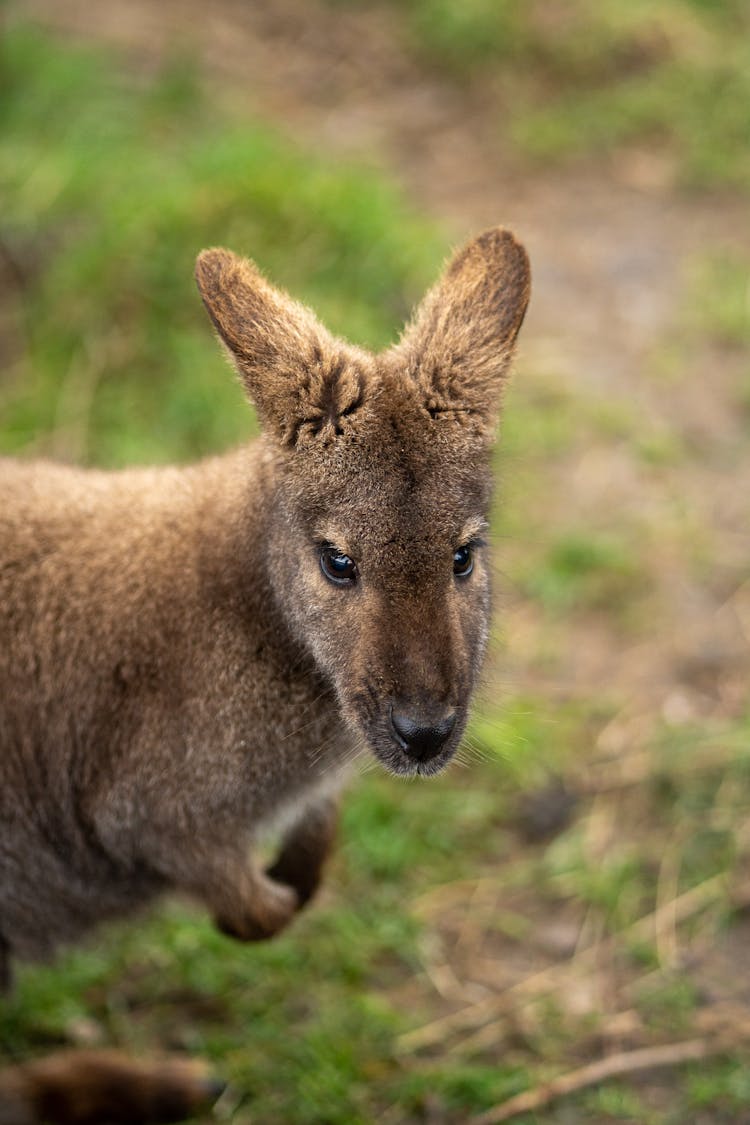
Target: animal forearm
(305, 849)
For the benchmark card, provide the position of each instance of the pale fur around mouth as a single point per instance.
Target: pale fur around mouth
(395, 760)
(407, 767)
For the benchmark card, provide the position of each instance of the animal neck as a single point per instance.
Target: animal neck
(238, 513)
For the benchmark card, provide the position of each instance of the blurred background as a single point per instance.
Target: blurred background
(581, 888)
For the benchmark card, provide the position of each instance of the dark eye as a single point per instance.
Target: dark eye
(463, 561)
(337, 567)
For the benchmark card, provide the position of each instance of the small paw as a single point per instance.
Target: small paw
(305, 850)
(271, 910)
(303, 878)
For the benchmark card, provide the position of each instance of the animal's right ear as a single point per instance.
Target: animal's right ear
(459, 345)
(293, 370)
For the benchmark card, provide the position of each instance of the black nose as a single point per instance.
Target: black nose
(420, 737)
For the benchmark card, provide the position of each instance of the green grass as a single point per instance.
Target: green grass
(305, 1026)
(720, 298)
(109, 191)
(725, 1087)
(588, 77)
(720, 313)
(583, 570)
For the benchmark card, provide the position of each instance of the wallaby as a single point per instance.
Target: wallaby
(188, 655)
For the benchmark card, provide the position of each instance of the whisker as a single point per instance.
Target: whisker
(366, 763)
(326, 692)
(470, 754)
(348, 758)
(314, 756)
(361, 758)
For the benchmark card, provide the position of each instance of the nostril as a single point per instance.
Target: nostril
(420, 737)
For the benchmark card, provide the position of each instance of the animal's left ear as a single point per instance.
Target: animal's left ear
(458, 347)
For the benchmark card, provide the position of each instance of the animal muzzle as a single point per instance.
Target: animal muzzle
(421, 732)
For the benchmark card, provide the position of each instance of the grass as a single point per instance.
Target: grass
(721, 295)
(590, 78)
(109, 192)
(582, 570)
(439, 894)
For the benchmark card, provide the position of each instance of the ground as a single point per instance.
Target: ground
(596, 902)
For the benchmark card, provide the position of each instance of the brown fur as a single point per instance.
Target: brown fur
(93, 1087)
(176, 672)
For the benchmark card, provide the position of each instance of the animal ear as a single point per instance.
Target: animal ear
(300, 378)
(458, 347)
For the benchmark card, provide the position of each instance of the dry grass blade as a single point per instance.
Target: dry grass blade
(614, 1066)
(492, 1007)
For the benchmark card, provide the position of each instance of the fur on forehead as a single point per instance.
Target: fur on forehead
(310, 387)
(392, 474)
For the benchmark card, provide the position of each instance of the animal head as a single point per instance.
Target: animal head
(378, 466)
